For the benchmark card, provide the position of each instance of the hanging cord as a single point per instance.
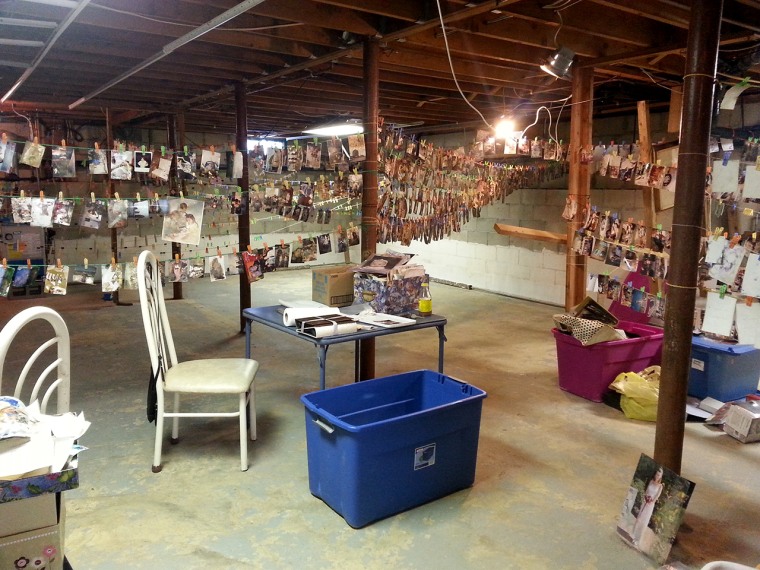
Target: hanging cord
(451, 66)
(27, 119)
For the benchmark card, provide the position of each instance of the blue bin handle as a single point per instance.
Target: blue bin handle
(326, 427)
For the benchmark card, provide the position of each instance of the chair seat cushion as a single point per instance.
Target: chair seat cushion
(212, 375)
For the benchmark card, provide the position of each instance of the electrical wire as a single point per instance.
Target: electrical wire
(645, 72)
(451, 66)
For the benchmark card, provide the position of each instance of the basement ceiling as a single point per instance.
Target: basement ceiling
(300, 61)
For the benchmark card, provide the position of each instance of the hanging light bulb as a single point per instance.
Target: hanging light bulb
(504, 128)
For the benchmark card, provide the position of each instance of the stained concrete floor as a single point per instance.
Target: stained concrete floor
(552, 468)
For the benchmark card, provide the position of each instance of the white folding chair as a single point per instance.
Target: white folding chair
(207, 376)
(54, 366)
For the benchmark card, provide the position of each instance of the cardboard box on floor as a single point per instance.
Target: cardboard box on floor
(37, 527)
(333, 286)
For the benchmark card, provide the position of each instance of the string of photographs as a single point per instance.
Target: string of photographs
(633, 247)
(253, 264)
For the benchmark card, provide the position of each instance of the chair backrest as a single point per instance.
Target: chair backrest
(54, 368)
(153, 308)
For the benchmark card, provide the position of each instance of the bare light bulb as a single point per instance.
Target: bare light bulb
(504, 128)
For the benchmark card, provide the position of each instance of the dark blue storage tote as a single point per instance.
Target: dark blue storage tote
(723, 371)
(379, 447)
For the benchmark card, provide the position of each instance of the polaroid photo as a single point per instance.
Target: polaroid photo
(42, 212)
(604, 225)
(599, 250)
(97, 161)
(613, 168)
(656, 175)
(324, 242)
(121, 165)
(210, 161)
(139, 210)
(669, 179)
(177, 271)
(627, 230)
(648, 264)
(162, 169)
(93, 214)
(614, 255)
(630, 260)
(56, 280)
(186, 166)
(111, 278)
(216, 269)
(196, 268)
(32, 154)
(117, 213)
(314, 156)
(82, 274)
(641, 177)
(626, 294)
(63, 162)
(63, 211)
(613, 290)
(252, 264)
(334, 153)
(143, 161)
(8, 161)
(613, 229)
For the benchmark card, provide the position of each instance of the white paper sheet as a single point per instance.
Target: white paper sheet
(729, 266)
(748, 324)
(290, 315)
(725, 178)
(719, 314)
(751, 281)
(715, 247)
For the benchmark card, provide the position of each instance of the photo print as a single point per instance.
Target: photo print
(334, 153)
(656, 309)
(183, 222)
(324, 243)
(357, 149)
(604, 225)
(196, 268)
(274, 160)
(660, 241)
(656, 175)
(160, 168)
(97, 160)
(643, 170)
(42, 212)
(63, 162)
(143, 161)
(216, 268)
(93, 214)
(627, 230)
(56, 280)
(648, 264)
(653, 509)
(726, 270)
(177, 271)
(614, 255)
(210, 162)
(641, 236)
(24, 274)
(599, 250)
(32, 154)
(111, 278)
(282, 256)
(6, 280)
(63, 211)
(626, 294)
(22, 210)
(84, 274)
(139, 210)
(355, 185)
(117, 213)
(129, 275)
(342, 241)
(8, 159)
(627, 169)
(252, 264)
(613, 290)
(314, 155)
(630, 260)
(121, 165)
(669, 179)
(186, 166)
(639, 301)
(295, 157)
(613, 168)
(353, 236)
(613, 229)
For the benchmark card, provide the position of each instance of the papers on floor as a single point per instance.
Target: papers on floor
(50, 444)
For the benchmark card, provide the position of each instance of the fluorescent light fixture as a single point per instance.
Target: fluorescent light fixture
(21, 43)
(339, 128)
(61, 3)
(559, 63)
(27, 23)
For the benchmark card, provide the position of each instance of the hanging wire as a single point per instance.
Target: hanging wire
(451, 66)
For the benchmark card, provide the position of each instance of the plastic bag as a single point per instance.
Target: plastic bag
(587, 331)
(640, 393)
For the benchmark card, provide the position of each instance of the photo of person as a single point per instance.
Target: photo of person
(626, 232)
(653, 509)
(93, 213)
(281, 256)
(177, 271)
(186, 166)
(210, 161)
(325, 243)
(604, 225)
(641, 236)
(63, 211)
(353, 236)
(143, 160)
(196, 268)
(643, 170)
(314, 155)
(342, 241)
(183, 222)
(639, 301)
(669, 179)
(252, 263)
(334, 153)
(613, 290)
(162, 169)
(587, 245)
(8, 160)
(626, 295)
(630, 260)
(592, 221)
(355, 185)
(356, 147)
(647, 264)
(613, 229)
(216, 268)
(139, 210)
(614, 255)
(656, 175)
(599, 250)
(309, 250)
(97, 160)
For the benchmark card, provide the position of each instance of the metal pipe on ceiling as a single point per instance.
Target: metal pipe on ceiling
(172, 46)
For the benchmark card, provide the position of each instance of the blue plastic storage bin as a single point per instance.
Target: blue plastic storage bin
(723, 371)
(382, 446)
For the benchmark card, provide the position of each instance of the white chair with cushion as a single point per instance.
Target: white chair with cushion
(232, 376)
(52, 366)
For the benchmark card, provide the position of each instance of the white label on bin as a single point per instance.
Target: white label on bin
(424, 456)
(698, 364)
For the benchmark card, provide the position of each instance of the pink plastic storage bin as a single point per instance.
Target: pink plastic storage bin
(587, 371)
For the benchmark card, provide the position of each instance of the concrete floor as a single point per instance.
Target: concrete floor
(552, 469)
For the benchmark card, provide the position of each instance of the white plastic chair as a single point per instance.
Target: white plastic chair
(207, 376)
(54, 366)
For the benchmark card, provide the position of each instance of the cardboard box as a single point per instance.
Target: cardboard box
(28, 514)
(333, 286)
(743, 421)
(40, 546)
(395, 297)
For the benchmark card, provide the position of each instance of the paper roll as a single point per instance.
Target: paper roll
(290, 314)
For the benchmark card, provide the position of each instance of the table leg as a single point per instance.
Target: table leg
(357, 359)
(441, 340)
(247, 338)
(322, 358)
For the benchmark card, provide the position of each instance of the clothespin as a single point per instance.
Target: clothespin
(659, 227)
(722, 291)
(219, 252)
(211, 148)
(142, 148)
(176, 257)
(5, 260)
(734, 241)
(60, 196)
(748, 301)
(138, 197)
(29, 263)
(185, 149)
(86, 263)
(92, 196)
(42, 195)
(181, 196)
(249, 248)
(21, 193)
(266, 247)
(163, 150)
(282, 243)
(300, 240)
(134, 260)
(643, 289)
(748, 212)
(234, 251)
(58, 263)
(113, 261)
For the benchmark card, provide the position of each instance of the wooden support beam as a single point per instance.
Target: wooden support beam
(674, 112)
(645, 154)
(530, 233)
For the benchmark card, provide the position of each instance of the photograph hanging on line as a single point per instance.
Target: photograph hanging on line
(183, 222)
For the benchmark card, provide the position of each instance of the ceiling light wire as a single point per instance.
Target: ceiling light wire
(451, 66)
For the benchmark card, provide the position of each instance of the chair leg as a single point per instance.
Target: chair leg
(243, 439)
(159, 437)
(252, 413)
(175, 421)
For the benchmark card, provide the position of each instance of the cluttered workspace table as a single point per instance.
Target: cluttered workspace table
(274, 317)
